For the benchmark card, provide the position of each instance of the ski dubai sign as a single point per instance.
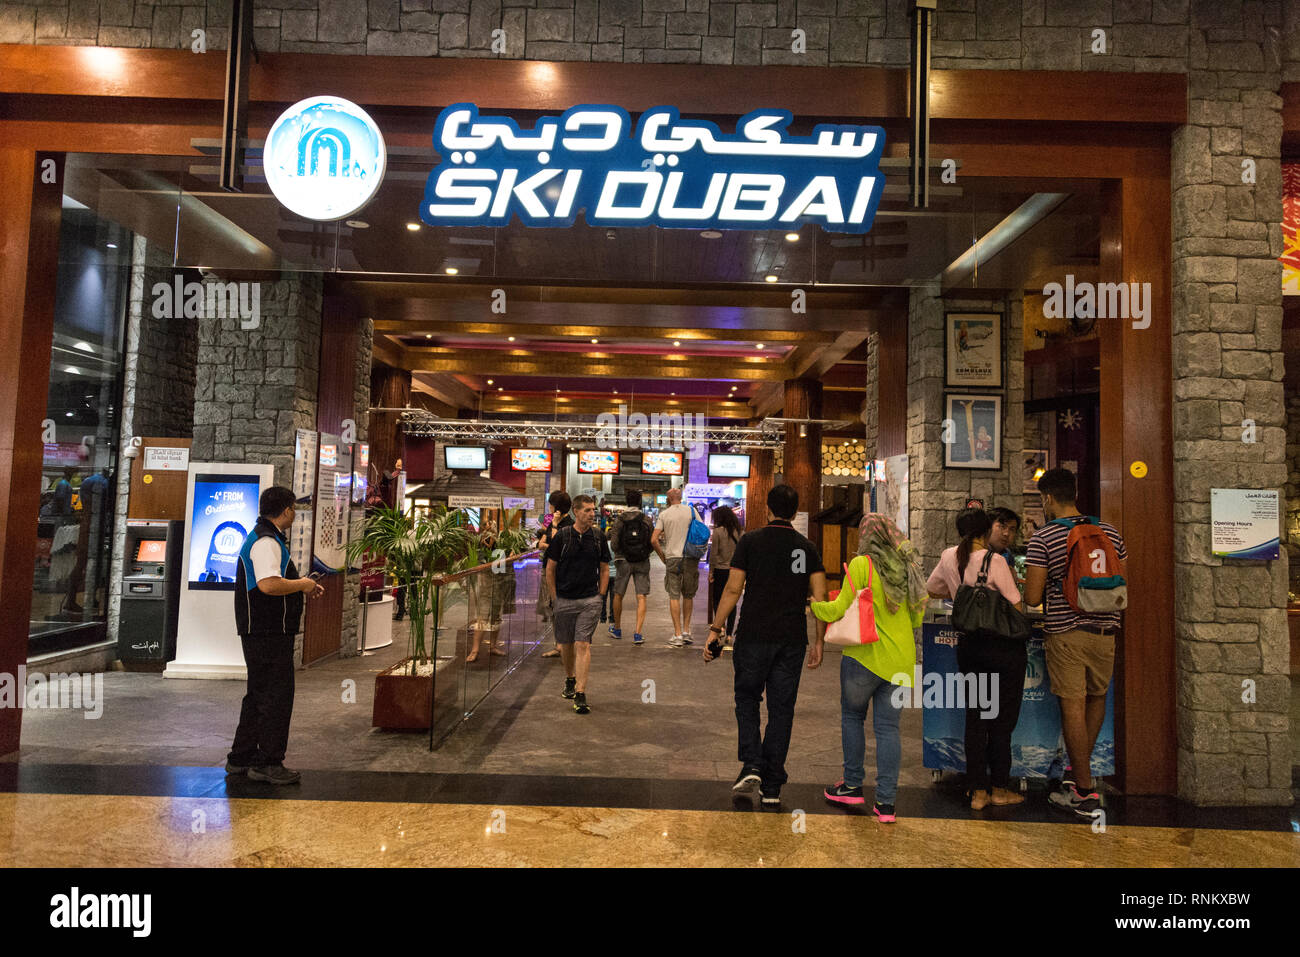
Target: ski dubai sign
(668, 171)
(325, 159)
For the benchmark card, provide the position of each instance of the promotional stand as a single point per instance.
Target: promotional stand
(1037, 749)
(221, 507)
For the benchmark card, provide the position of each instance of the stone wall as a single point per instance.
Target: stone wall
(349, 640)
(1232, 645)
(1140, 35)
(935, 494)
(254, 388)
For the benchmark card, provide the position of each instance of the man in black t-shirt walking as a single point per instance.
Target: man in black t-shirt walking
(776, 569)
(577, 572)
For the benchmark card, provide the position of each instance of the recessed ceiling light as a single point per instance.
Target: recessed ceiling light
(594, 341)
(510, 338)
(68, 414)
(112, 245)
(791, 237)
(500, 389)
(356, 223)
(677, 342)
(452, 270)
(672, 393)
(769, 278)
(758, 345)
(711, 234)
(428, 335)
(616, 391)
(413, 227)
(489, 381)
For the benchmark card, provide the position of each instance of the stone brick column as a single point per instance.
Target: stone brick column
(254, 388)
(1231, 627)
(157, 389)
(936, 495)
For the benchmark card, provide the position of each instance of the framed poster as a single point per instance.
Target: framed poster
(972, 431)
(1245, 523)
(972, 350)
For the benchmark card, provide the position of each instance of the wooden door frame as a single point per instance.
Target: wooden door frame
(155, 102)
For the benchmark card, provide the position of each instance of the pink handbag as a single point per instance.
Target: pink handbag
(858, 626)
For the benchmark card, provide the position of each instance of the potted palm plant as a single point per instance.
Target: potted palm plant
(414, 550)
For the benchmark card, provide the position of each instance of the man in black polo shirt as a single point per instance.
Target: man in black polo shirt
(577, 572)
(777, 569)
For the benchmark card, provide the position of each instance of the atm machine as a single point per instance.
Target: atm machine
(151, 591)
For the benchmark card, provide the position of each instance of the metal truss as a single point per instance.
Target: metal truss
(769, 434)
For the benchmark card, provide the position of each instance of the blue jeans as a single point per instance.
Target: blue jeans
(858, 688)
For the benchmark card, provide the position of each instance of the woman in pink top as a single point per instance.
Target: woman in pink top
(997, 664)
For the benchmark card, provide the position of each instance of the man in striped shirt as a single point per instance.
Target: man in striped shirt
(1080, 648)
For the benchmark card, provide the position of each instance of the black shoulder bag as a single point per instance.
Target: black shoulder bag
(985, 612)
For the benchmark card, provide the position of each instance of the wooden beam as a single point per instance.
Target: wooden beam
(503, 362)
(687, 334)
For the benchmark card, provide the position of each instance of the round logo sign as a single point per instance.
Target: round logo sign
(324, 158)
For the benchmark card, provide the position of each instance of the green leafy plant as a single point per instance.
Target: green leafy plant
(414, 550)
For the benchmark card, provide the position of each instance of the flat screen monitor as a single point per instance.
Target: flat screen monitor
(595, 462)
(729, 466)
(661, 499)
(661, 463)
(530, 460)
(153, 550)
(225, 511)
(465, 457)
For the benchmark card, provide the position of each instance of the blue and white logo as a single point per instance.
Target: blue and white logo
(668, 172)
(324, 158)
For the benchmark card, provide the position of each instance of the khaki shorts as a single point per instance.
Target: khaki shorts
(631, 571)
(682, 579)
(1080, 663)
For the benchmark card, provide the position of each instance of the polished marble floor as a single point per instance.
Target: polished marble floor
(105, 830)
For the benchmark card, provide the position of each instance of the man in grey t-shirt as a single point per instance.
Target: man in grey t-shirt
(683, 574)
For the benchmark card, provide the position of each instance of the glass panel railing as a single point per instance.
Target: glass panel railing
(479, 625)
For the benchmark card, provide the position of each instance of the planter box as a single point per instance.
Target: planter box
(403, 702)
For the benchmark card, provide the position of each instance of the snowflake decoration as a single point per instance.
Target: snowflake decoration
(1071, 419)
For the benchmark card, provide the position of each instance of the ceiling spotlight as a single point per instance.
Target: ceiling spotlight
(452, 270)
(672, 393)
(68, 414)
(413, 227)
(112, 245)
(594, 341)
(489, 381)
(758, 345)
(677, 342)
(803, 430)
(500, 389)
(791, 237)
(428, 335)
(616, 391)
(356, 223)
(510, 338)
(769, 278)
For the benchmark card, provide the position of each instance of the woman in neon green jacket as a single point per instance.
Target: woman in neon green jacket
(871, 673)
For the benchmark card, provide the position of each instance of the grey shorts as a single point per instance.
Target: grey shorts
(576, 619)
(631, 570)
(682, 578)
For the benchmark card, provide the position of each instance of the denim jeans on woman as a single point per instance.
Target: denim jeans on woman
(860, 687)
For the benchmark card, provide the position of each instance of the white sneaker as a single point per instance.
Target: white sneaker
(676, 641)
(686, 638)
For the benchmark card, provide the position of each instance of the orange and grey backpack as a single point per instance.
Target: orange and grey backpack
(1094, 573)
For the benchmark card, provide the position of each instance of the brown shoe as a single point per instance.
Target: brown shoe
(1001, 796)
(979, 800)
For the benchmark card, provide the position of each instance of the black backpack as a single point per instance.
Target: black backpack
(634, 540)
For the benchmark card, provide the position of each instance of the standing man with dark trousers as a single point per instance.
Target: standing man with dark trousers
(776, 569)
(268, 608)
(577, 572)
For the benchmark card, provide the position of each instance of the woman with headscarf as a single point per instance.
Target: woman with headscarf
(871, 673)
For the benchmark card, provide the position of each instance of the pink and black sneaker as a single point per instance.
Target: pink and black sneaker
(844, 795)
(883, 811)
